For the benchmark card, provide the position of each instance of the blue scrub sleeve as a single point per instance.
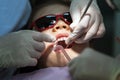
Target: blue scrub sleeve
(14, 14)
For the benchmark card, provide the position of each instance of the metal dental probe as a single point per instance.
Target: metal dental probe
(87, 7)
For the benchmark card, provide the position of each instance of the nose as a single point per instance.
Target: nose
(61, 25)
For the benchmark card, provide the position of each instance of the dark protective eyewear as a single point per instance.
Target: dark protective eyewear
(48, 21)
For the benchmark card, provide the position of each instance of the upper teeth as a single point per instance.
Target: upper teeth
(60, 39)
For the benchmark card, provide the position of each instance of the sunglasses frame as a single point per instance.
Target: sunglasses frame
(57, 17)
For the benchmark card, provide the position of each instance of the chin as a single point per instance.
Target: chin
(56, 59)
(52, 58)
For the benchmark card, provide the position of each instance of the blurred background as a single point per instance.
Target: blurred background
(108, 43)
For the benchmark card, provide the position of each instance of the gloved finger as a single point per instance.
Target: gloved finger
(43, 37)
(93, 15)
(92, 25)
(117, 57)
(72, 66)
(79, 30)
(38, 46)
(101, 31)
(32, 62)
(109, 2)
(32, 53)
(75, 15)
(80, 40)
(28, 62)
(35, 54)
(93, 29)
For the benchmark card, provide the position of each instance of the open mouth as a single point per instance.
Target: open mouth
(61, 40)
(60, 45)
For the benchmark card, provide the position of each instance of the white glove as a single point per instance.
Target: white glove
(109, 2)
(90, 26)
(22, 48)
(114, 4)
(92, 65)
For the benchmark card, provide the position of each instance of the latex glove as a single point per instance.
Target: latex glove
(92, 65)
(90, 26)
(114, 4)
(109, 2)
(22, 48)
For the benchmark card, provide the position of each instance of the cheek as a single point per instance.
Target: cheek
(51, 58)
(56, 60)
(48, 47)
(49, 32)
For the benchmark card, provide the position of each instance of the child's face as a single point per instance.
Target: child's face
(59, 27)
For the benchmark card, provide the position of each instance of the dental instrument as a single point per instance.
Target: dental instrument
(82, 15)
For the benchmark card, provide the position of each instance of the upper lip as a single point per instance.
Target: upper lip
(62, 35)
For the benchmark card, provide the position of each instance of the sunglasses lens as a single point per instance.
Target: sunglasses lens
(67, 17)
(49, 20)
(45, 22)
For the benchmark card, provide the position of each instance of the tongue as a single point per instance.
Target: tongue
(62, 43)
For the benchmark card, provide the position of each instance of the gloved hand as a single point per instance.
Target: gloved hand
(109, 2)
(90, 26)
(92, 65)
(114, 4)
(22, 48)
